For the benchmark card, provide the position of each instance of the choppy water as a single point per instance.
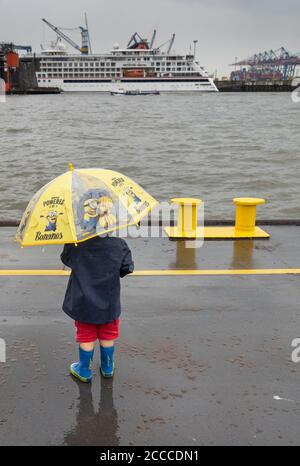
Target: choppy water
(214, 147)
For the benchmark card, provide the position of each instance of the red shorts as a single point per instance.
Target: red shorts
(87, 333)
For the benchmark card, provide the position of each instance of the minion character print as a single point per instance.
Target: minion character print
(90, 218)
(97, 211)
(51, 218)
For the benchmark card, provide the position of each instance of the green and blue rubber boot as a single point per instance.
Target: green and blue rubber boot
(107, 361)
(82, 369)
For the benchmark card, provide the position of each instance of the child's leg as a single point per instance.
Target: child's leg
(107, 343)
(107, 334)
(88, 346)
(86, 337)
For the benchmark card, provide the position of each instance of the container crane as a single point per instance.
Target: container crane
(10, 47)
(84, 49)
(278, 64)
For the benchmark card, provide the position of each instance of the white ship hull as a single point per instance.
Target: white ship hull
(160, 85)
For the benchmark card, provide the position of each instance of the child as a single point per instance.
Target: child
(93, 298)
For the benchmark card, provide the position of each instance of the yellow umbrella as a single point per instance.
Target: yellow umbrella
(81, 204)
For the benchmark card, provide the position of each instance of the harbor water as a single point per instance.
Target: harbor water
(211, 146)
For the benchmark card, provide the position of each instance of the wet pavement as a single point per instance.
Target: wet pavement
(201, 359)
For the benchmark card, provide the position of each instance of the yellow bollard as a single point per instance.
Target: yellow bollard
(187, 224)
(245, 222)
(245, 218)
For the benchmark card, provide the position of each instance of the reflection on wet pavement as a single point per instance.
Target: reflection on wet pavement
(94, 426)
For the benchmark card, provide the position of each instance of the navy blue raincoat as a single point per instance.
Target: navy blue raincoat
(93, 292)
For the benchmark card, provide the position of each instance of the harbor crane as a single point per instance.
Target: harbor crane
(153, 39)
(86, 44)
(9, 47)
(279, 62)
(171, 44)
(137, 42)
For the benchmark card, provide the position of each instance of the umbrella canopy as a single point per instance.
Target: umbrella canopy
(81, 204)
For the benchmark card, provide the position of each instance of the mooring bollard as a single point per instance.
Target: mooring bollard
(245, 217)
(245, 223)
(187, 223)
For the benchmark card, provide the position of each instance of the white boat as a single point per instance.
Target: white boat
(138, 66)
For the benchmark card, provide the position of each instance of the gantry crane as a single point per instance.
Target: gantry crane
(280, 62)
(6, 47)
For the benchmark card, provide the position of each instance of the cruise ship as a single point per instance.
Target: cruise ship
(138, 67)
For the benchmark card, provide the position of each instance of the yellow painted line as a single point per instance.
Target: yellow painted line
(37, 272)
(149, 273)
(217, 272)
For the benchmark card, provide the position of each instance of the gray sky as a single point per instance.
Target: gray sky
(225, 28)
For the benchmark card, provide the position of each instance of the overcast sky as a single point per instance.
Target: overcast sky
(225, 28)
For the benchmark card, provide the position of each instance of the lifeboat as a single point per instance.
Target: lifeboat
(133, 73)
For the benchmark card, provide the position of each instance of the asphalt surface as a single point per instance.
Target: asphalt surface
(201, 360)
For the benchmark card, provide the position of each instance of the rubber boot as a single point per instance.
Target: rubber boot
(82, 369)
(107, 361)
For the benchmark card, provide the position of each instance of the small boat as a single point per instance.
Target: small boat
(134, 92)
